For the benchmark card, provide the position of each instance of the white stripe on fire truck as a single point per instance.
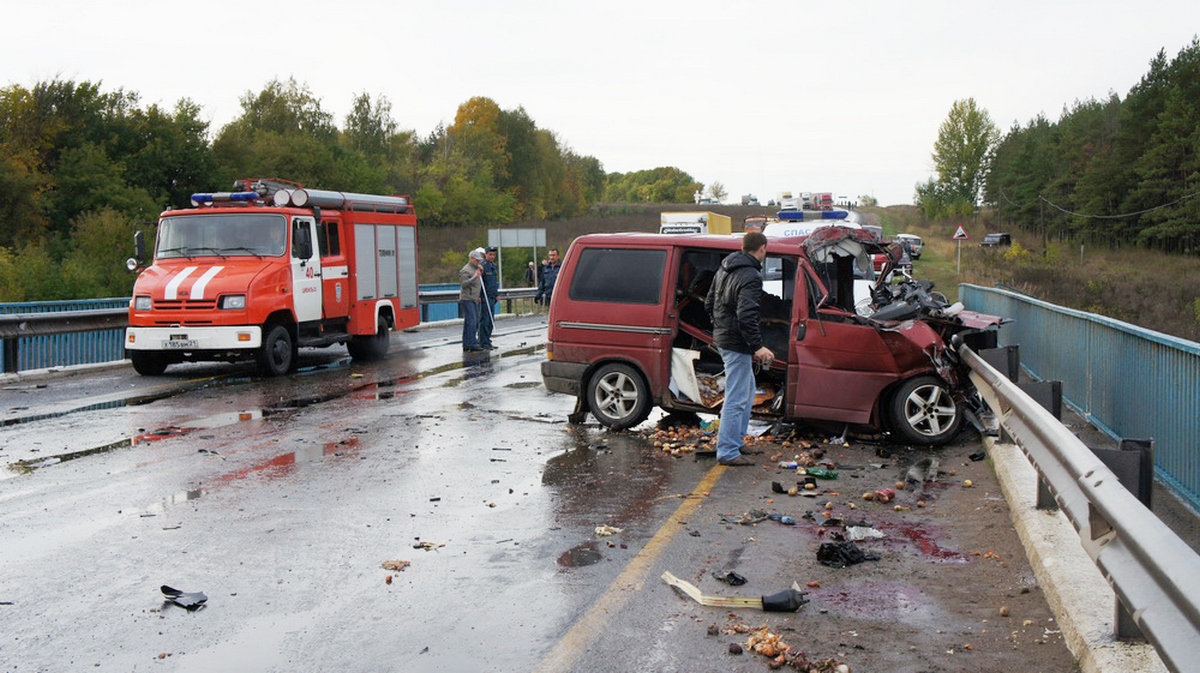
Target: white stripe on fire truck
(172, 292)
(336, 272)
(202, 282)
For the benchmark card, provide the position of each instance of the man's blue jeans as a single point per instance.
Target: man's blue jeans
(739, 398)
(487, 322)
(470, 313)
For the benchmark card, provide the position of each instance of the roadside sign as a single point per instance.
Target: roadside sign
(515, 238)
(960, 235)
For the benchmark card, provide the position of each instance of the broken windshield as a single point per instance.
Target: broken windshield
(222, 235)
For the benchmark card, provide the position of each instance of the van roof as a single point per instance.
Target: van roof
(782, 244)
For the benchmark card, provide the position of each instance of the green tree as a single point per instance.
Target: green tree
(173, 158)
(95, 267)
(282, 132)
(960, 155)
(666, 184)
(377, 157)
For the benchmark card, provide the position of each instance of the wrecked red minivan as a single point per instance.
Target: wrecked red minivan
(628, 331)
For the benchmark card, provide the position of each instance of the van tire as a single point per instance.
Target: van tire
(924, 412)
(277, 356)
(618, 396)
(370, 348)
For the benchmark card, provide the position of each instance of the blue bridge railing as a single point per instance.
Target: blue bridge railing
(1126, 380)
(44, 346)
(60, 350)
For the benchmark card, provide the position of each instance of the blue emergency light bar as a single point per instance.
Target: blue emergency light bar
(198, 199)
(800, 215)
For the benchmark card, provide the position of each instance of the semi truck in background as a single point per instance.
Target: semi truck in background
(256, 273)
(695, 222)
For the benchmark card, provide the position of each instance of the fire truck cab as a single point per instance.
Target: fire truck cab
(258, 272)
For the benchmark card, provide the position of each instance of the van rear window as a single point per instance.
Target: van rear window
(619, 276)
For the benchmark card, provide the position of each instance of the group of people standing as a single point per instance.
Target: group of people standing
(478, 296)
(480, 280)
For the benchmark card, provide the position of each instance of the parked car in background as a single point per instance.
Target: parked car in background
(912, 242)
(879, 260)
(995, 240)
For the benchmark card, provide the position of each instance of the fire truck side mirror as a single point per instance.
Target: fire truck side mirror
(302, 244)
(139, 252)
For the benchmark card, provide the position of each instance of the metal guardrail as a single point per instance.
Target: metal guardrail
(1155, 574)
(17, 326)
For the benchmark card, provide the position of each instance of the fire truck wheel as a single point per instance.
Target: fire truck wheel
(148, 364)
(618, 397)
(924, 412)
(278, 353)
(369, 348)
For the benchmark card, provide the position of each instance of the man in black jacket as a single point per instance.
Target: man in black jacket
(734, 303)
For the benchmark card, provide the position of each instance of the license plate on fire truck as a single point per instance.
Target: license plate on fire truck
(180, 344)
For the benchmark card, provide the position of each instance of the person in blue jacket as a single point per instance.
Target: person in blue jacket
(491, 288)
(550, 274)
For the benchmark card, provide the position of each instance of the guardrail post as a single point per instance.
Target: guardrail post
(1049, 395)
(12, 351)
(1006, 360)
(1133, 463)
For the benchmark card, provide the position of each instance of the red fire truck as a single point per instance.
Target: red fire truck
(255, 273)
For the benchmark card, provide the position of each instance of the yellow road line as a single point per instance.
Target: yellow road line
(630, 581)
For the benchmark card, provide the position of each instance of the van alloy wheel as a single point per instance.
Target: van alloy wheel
(924, 412)
(617, 396)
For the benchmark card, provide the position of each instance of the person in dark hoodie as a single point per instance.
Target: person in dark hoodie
(734, 303)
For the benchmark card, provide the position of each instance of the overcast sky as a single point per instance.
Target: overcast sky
(763, 97)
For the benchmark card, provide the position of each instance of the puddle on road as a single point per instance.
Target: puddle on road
(585, 554)
(381, 390)
(275, 467)
(115, 404)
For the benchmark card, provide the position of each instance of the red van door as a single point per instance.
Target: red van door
(837, 366)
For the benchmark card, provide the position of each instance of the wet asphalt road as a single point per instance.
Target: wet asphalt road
(281, 499)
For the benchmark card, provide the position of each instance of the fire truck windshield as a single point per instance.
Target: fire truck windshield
(222, 235)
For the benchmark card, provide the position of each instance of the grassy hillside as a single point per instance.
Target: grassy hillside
(1145, 288)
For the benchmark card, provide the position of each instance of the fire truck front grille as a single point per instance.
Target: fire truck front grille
(202, 305)
(176, 312)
